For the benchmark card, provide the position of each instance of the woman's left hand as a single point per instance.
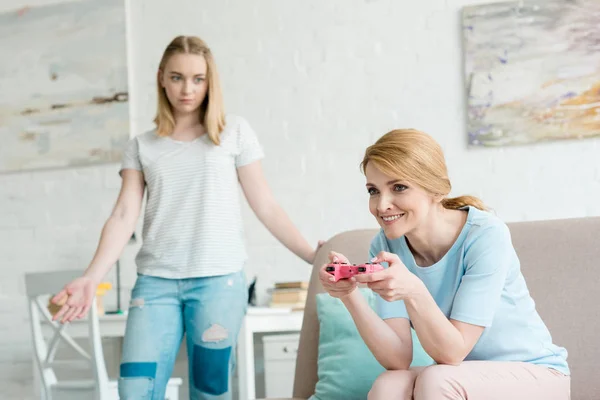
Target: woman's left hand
(393, 283)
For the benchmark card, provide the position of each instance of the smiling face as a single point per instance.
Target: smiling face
(407, 180)
(400, 207)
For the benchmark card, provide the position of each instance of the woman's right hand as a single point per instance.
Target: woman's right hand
(75, 298)
(341, 288)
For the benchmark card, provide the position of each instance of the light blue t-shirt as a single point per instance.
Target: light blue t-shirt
(479, 281)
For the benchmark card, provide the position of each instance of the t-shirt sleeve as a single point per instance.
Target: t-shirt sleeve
(250, 149)
(131, 156)
(386, 309)
(486, 262)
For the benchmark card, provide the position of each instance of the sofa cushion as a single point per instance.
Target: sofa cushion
(346, 368)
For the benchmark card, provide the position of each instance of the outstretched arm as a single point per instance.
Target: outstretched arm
(76, 297)
(269, 212)
(120, 225)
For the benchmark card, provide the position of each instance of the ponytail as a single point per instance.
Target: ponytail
(454, 203)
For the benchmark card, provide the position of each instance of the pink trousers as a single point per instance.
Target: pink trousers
(473, 380)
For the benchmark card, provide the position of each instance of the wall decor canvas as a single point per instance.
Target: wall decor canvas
(63, 79)
(532, 71)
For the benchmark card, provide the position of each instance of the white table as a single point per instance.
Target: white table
(257, 320)
(260, 320)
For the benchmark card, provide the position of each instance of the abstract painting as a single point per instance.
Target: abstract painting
(532, 71)
(64, 97)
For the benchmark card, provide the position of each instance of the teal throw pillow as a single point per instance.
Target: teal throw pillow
(346, 367)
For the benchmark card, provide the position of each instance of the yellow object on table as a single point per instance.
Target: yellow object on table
(103, 287)
(101, 290)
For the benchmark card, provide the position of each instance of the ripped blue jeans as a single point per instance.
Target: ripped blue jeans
(208, 310)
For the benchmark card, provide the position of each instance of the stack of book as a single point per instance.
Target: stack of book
(289, 295)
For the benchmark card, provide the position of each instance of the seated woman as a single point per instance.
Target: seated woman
(454, 276)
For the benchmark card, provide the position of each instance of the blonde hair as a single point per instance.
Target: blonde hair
(212, 113)
(412, 155)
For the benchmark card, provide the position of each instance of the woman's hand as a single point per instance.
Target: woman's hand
(341, 288)
(75, 299)
(393, 283)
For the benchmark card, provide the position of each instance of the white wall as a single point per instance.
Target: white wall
(318, 81)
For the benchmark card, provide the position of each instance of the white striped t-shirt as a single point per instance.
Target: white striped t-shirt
(192, 221)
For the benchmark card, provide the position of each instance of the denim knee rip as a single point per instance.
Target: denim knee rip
(211, 369)
(137, 380)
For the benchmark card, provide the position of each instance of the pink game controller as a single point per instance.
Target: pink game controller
(345, 271)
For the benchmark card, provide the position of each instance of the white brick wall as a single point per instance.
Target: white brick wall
(318, 81)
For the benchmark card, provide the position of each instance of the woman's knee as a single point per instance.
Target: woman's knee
(210, 368)
(393, 385)
(438, 382)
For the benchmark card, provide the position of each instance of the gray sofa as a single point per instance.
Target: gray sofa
(560, 260)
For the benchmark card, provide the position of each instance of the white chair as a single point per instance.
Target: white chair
(39, 287)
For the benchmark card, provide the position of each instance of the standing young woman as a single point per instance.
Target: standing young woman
(454, 276)
(190, 267)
